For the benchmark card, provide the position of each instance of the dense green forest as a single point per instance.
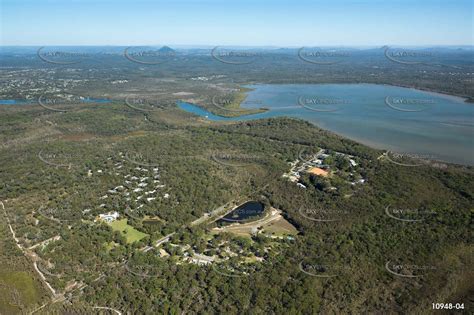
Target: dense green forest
(56, 168)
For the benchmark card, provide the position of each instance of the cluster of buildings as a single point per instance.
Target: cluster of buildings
(140, 187)
(32, 83)
(318, 165)
(315, 165)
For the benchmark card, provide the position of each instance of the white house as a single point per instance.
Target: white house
(301, 185)
(109, 217)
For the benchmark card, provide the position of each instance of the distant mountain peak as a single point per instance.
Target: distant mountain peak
(166, 49)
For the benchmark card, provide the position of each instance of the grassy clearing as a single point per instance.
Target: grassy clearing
(18, 291)
(281, 227)
(128, 231)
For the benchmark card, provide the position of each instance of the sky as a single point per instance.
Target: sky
(282, 23)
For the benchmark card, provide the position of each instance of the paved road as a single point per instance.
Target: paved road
(201, 220)
(158, 242)
(214, 216)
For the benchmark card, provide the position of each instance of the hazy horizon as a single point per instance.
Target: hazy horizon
(207, 46)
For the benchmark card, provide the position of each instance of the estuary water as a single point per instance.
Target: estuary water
(420, 123)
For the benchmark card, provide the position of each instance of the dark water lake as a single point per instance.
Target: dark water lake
(423, 124)
(243, 212)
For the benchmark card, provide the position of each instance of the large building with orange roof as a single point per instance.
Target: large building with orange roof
(318, 171)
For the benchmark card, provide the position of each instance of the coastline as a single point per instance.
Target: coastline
(374, 144)
(463, 98)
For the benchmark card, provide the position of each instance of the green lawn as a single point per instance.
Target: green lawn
(128, 231)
